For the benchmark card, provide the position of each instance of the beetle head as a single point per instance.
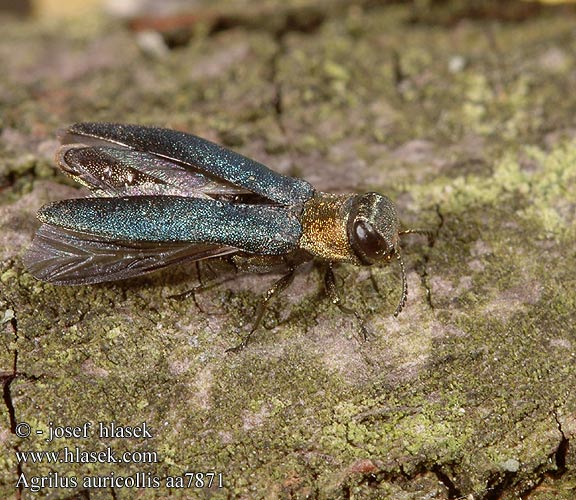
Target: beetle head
(373, 233)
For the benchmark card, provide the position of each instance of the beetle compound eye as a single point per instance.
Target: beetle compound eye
(368, 244)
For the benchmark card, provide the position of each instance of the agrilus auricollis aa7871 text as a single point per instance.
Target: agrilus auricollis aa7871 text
(161, 197)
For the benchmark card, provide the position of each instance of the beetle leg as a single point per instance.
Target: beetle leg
(280, 285)
(332, 291)
(202, 286)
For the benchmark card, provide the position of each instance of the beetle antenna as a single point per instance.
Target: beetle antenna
(425, 232)
(402, 302)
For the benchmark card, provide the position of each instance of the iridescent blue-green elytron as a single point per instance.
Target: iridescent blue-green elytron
(160, 197)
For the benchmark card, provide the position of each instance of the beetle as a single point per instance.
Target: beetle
(160, 197)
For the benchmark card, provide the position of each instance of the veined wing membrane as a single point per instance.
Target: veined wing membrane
(197, 154)
(65, 257)
(91, 240)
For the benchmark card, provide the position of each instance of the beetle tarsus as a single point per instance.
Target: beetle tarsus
(332, 291)
(279, 286)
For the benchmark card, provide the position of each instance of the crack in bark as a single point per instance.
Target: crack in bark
(7, 379)
(497, 485)
(559, 457)
(424, 275)
(453, 491)
(561, 451)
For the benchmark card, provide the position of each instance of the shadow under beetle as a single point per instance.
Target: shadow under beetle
(161, 197)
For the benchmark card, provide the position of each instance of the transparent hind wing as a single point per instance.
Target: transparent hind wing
(65, 257)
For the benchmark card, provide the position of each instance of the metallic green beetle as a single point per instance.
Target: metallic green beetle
(161, 197)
